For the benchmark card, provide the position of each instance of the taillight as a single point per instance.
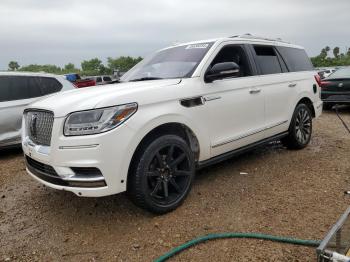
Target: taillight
(325, 83)
(318, 79)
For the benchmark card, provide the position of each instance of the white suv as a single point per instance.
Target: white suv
(182, 108)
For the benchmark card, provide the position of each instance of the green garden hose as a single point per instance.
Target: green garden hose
(193, 242)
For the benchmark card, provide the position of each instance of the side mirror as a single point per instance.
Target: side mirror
(221, 71)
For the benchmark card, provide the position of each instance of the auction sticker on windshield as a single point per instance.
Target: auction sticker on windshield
(197, 46)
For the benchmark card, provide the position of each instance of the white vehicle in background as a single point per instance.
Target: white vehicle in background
(325, 72)
(101, 80)
(17, 90)
(183, 108)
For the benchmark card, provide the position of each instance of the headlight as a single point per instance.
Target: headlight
(97, 120)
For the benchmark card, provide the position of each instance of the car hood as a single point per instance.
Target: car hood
(86, 98)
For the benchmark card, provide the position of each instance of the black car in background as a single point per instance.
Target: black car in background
(336, 88)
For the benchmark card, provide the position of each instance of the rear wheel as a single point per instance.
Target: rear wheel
(300, 128)
(162, 174)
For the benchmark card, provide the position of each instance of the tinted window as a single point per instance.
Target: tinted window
(107, 78)
(25, 87)
(267, 60)
(48, 85)
(236, 54)
(295, 58)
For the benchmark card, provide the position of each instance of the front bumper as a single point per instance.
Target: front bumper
(92, 166)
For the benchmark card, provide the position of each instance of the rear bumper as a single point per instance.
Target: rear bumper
(318, 108)
(335, 97)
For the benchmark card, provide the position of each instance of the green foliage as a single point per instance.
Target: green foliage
(92, 66)
(89, 67)
(70, 68)
(123, 63)
(13, 65)
(42, 68)
(339, 59)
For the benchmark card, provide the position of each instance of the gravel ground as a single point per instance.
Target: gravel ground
(290, 193)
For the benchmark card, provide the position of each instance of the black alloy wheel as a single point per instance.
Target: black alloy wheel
(162, 174)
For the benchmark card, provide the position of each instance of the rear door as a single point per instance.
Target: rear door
(280, 88)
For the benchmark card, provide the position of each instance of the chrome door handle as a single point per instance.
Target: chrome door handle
(254, 91)
(211, 98)
(292, 85)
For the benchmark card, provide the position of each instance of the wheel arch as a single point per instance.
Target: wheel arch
(308, 102)
(196, 138)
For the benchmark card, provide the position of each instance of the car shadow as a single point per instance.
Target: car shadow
(9, 152)
(119, 207)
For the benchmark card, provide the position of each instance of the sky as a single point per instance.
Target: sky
(59, 32)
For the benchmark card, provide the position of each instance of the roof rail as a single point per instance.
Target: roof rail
(250, 36)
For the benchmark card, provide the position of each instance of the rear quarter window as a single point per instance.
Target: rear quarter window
(296, 59)
(49, 85)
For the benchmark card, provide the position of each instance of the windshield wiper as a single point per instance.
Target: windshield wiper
(145, 79)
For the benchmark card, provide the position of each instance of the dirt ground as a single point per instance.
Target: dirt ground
(289, 193)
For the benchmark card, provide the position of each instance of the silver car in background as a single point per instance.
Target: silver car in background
(19, 89)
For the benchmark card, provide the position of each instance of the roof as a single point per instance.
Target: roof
(245, 38)
(20, 73)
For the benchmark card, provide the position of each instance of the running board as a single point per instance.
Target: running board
(238, 151)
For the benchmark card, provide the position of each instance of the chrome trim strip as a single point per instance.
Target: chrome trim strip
(79, 146)
(75, 178)
(249, 134)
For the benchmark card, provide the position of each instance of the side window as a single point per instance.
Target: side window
(234, 53)
(267, 60)
(15, 88)
(48, 85)
(296, 59)
(25, 87)
(98, 80)
(107, 78)
(5, 94)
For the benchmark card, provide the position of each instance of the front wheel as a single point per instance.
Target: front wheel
(162, 174)
(300, 128)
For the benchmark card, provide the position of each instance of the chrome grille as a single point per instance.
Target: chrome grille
(39, 126)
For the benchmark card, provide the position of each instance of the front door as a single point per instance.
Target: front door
(235, 106)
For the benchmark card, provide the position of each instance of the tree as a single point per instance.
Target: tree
(323, 53)
(92, 67)
(336, 52)
(348, 52)
(13, 66)
(122, 63)
(69, 67)
(42, 68)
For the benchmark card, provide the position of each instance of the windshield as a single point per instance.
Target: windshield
(340, 73)
(174, 62)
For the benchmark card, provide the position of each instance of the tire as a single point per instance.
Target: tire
(161, 175)
(300, 129)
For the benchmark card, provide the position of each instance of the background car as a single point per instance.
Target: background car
(102, 80)
(16, 92)
(80, 82)
(325, 72)
(335, 89)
